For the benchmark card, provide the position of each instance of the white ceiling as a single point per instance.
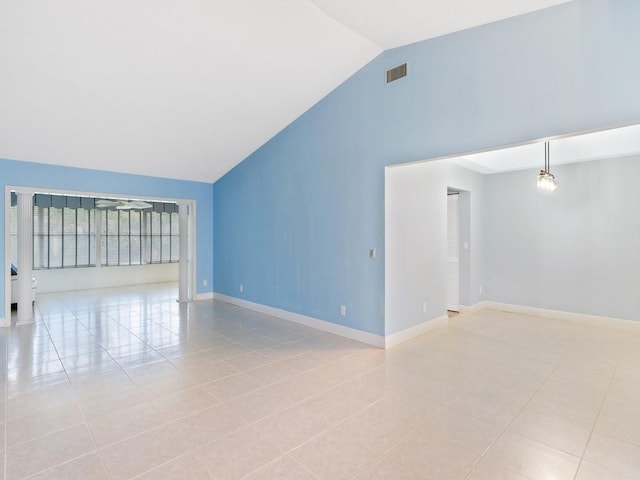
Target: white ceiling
(391, 24)
(187, 89)
(617, 142)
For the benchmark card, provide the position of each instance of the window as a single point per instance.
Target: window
(62, 237)
(65, 236)
(136, 237)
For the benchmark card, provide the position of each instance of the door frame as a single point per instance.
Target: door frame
(192, 236)
(454, 194)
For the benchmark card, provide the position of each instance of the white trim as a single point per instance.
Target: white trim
(6, 321)
(411, 332)
(83, 193)
(583, 318)
(473, 308)
(193, 262)
(203, 296)
(348, 332)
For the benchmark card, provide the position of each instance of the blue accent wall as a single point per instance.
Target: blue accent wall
(41, 176)
(293, 223)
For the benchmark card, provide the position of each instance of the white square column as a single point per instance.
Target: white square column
(25, 257)
(183, 265)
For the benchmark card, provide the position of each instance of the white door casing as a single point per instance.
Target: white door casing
(453, 254)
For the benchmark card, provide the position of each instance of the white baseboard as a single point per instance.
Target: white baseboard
(472, 308)
(583, 318)
(408, 333)
(347, 332)
(203, 296)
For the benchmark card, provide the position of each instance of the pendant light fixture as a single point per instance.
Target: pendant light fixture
(546, 181)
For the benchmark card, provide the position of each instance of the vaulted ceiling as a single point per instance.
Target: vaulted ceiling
(187, 89)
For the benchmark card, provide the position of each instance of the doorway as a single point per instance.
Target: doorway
(180, 248)
(453, 252)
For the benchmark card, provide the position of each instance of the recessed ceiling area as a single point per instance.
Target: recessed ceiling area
(617, 142)
(189, 89)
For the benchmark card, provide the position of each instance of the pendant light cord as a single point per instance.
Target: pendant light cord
(546, 157)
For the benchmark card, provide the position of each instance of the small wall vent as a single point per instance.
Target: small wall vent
(396, 73)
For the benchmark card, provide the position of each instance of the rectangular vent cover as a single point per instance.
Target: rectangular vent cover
(396, 73)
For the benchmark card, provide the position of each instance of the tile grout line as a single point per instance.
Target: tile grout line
(164, 424)
(595, 421)
(504, 429)
(6, 400)
(77, 404)
(326, 428)
(271, 362)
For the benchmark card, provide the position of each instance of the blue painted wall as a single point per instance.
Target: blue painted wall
(294, 221)
(43, 176)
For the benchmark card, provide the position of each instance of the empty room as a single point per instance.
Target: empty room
(319, 239)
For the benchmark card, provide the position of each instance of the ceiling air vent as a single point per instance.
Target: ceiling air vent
(397, 72)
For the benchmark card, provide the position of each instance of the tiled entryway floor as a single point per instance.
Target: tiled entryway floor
(128, 384)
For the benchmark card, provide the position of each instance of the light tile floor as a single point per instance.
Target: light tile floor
(128, 384)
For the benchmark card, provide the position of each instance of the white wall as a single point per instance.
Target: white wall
(576, 249)
(69, 279)
(415, 241)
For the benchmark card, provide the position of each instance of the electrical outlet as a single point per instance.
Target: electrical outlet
(204, 282)
(424, 307)
(241, 288)
(372, 254)
(480, 290)
(343, 310)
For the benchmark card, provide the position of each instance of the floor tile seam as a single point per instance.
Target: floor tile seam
(125, 370)
(93, 438)
(417, 472)
(339, 425)
(605, 434)
(221, 378)
(112, 414)
(272, 462)
(382, 454)
(313, 395)
(6, 409)
(378, 455)
(504, 429)
(169, 421)
(334, 386)
(595, 421)
(39, 437)
(481, 335)
(299, 446)
(186, 454)
(53, 467)
(524, 435)
(86, 353)
(163, 424)
(204, 364)
(36, 387)
(46, 327)
(253, 425)
(497, 339)
(44, 374)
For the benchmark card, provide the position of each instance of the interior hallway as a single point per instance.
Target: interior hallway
(122, 384)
